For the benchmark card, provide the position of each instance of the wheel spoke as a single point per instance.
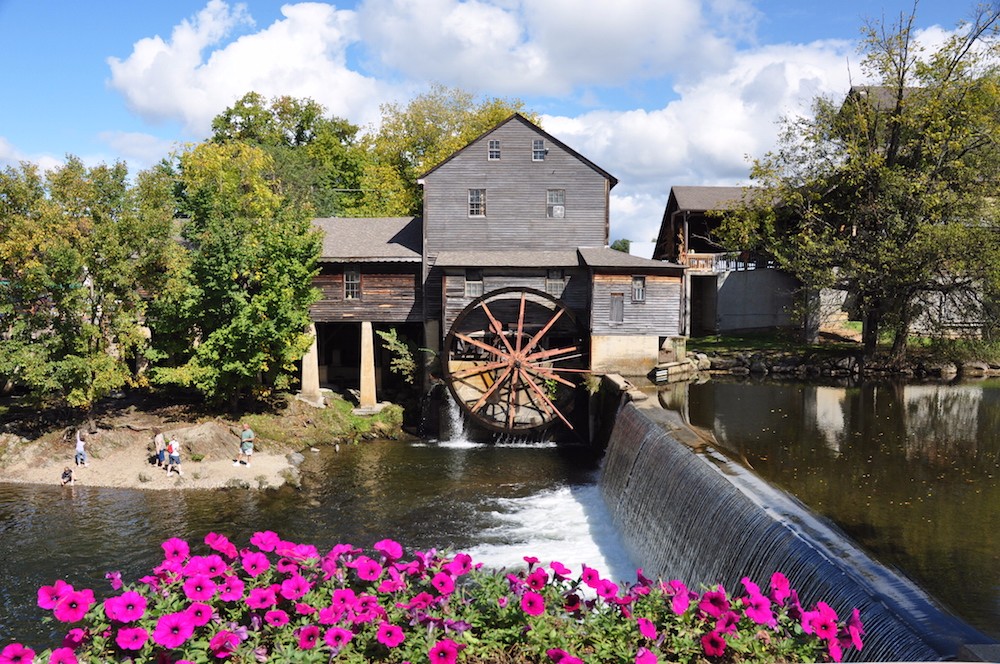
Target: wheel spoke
(493, 388)
(478, 369)
(545, 354)
(497, 327)
(520, 323)
(542, 332)
(480, 344)
(545, 373)
(546, 400)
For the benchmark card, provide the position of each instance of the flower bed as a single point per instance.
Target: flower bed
(286, 602)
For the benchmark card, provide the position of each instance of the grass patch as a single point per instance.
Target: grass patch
(765, 342)
(297, 425)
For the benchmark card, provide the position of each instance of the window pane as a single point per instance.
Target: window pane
(494, 150)
(555, 203)
(638, 289)
(473, 283)
(477, 202)
(352, 284)
(538, 150)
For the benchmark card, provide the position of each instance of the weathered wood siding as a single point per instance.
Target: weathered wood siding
(390, 293)
(659, 314)
(575, 293)
(516, 200)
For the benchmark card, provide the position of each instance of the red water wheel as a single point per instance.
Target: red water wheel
(514, 359)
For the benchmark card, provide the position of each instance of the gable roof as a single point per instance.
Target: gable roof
(517, 117)
(703, 199)
(599, 258)
(608, 259)
(365, 240)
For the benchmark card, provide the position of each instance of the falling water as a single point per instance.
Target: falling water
(705, 520)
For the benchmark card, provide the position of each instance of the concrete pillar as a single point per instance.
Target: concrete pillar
(310, 366)
(368, 399)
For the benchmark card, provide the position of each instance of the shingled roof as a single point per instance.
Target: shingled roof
(370, 240)
(545, 259)
(702, 199)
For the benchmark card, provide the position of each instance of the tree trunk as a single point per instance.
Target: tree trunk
(869, 332)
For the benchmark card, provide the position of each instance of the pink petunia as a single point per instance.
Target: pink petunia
(200, 588)
(294, 587)
(394, 583)
(338, 637)
(343, 598)
(221, 544)
(758, 609)
(444, 651)
(276, 618)
(537, 579)
(855, 629)
(49, 596)
(74, 606)
(646, 628)
(559, 569)
(714, 644)
(443, 583)
(74, 638)
(591, 577)
(201, 614)
(559, 656)
(389, 635)
(726, 624)
(63, 656)
(714, 602)
(780, 588)
(459, 565)
(308, 637)
(173, 629)
(390, 549)
(532, 603)
(607, 588)
(646, 656)
(127, 607)
(223, 644)
(231, 589)
(16, 653)
(175, 549)
(751, 587)
(115, 578)
(255, 563)
(265, 540)
(261, 598)
(367, 569)
(131, 638)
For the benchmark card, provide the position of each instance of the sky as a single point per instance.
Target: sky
(659, 93)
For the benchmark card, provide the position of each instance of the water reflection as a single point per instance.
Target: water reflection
(909, 471)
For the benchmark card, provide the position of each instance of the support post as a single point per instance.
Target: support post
(368, 399)
(310, 367)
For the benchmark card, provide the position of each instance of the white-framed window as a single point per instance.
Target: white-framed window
(477, 202)
(617, 311)
(538, 150)
(555, 282)
(352, 283)
(638, 289)
(493, 151)
(473, 283)
(555, 203)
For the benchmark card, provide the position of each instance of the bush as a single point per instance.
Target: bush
(280, 601)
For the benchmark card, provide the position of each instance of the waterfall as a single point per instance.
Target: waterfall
(696, 516)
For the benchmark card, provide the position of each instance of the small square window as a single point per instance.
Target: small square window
(555, 203)
(538, 150)
(638, 289)
(477, 202)
(555, 282)
(494, 150)
(473, 283)
(352, 284)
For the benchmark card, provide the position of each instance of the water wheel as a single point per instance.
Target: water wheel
(513, 360)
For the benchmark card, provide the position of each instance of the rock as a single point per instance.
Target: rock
(974, 369)
(296, 459)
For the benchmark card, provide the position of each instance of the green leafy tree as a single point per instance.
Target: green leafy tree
(890, 195)
(416, 138)
(233, 316)
(621, 244)
(317, 158)
(79, 247)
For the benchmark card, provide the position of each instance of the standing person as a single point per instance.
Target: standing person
(159, 448)
(247, 439)
(174, 457)
(81, 453)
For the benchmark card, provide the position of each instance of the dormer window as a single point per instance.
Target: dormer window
(538, 150)
(493, 151)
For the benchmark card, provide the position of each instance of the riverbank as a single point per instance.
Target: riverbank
(36, 446)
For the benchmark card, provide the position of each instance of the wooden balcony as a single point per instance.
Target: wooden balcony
(726, 262)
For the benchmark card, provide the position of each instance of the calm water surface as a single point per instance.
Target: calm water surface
(912, 473)
(498, 503)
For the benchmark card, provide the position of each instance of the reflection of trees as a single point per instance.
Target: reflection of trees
(942, 422)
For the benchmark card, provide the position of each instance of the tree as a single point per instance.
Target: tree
(77, 251)
(889, 195)
(414, 139)
(232, 320)
(317, 158)
(621, 244)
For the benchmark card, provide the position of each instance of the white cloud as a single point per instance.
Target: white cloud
(140, 150)
(11, 157)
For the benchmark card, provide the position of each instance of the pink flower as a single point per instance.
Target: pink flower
(74, 606)
(173, 629)
(308, 636)
(391, 549)
(591, 577)
(276, 618)
(443, 583)
(532, 603)
(63, 656)
(200, 613)
(175, 549)
(537, 579)
(221, 544)
(265, 540)
(751, 587)
(255, 563)
(261, 598)
(16, 653)
(645, 656)
(131, 638)
(49, 596)
(834, 650)
(780, 588)
(74, 638)
(444, 651)
(294, 587)
(502, 601)
(726, 624)
(559, 569)
(338, 637)
(343, 598)
(646, 628)
(559, 656)
(389, 635)
(223, 644)
(822, 622)
(231, 589)
(115, 578)
(606, 588)
(127, 607)
(758, 609)
(367, 569)
(714, 644)
(855, 629)
(459, 565)
(714, 602)
(199, 588)
(394, 583)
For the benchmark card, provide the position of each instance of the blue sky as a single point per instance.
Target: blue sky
(657, 92)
